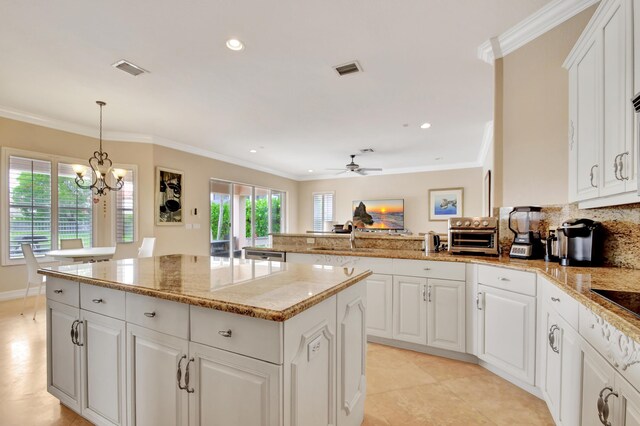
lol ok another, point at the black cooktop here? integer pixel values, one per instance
(625, 299)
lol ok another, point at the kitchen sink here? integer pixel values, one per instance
(627, 300)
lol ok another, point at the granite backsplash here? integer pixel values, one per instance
(621, 225)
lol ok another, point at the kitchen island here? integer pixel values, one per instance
(177, 340)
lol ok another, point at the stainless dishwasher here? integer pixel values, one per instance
(276, 256)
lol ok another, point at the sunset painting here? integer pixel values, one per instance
(378, 214)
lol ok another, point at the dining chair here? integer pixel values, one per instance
(72, 243)
(33, 278)
(146, 249)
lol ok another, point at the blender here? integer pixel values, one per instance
(527, 243)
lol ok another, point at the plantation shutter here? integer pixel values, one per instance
(125, 221)
(322, 209)
(29, 205)
(75, 213)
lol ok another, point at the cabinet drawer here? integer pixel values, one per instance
(63, 291)
(160, 315)
(102, 300)
(508, 279)
(565, 305)
(429, 269)
(254, 337)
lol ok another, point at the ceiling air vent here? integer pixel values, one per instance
(366, 150)
(349, 68)
(130, 68)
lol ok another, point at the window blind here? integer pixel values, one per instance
(75, 218)
(322, 209)
(125, 220)
(29, 205)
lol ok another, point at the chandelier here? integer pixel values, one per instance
(101, 166)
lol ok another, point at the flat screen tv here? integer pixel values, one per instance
(378, 214)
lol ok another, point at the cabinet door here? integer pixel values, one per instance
(63, 356)
(629, 403)
(380, 305)
(597, 374)
(152, 388)
(616, 99)
(587, 73)
(103, 369)
(410, 309)
(352, 353)
(232, 389)
(551, 360)
(506, 328)
(446, 314)
(570, 375)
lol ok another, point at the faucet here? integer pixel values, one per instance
(352, 236)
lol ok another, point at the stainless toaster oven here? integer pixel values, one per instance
(473, 235)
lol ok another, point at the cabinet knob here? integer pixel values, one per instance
(555, 299)
(97, 301)
(58, 291)
(150, 314)
(225, 333)
(503, 279)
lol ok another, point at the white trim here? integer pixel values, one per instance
(136, 208)
(19, 294)
(548, 17)
(487, 140)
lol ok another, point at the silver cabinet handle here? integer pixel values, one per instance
(225, 333)
(150, 314)
(186, 377)
(73, 332)
(478, 304)
(615, 167)
(77, 333)
(98, 301)
(179, 373)
(503, 279)
(571, 136)
(621, 166)
(603, 405)
(591, 176)
(58, 291)
(555, 299)
(552, 338)
(429, 294)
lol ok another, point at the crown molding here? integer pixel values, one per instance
(545, 19)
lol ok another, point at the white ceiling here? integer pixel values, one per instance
(280, 94)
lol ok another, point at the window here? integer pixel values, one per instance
(29, 205)
(124, 214)
(75, 214)
(323, 210)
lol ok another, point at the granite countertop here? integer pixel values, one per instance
(575, 281)
(360, 234)
(269, 290)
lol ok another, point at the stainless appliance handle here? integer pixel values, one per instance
(472, 231)
(591, 176)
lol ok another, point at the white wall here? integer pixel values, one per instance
(413, 187)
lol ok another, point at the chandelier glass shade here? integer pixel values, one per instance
(100, 169)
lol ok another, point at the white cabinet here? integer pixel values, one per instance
(231, 389)
(506, 331)
(103, 369)
(154, 395)
(380, 305)
(597, 376)
(410, 309)
(561, 374)
(63, 355)
(446, 314)
(602, 151)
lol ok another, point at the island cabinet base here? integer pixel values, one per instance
(124, 359)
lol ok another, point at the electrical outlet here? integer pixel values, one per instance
(311, 240)
(314, 347)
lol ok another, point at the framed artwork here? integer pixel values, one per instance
(487, 194)
(169, 196)
(445, 203)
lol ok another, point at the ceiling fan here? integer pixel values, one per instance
(352, 167)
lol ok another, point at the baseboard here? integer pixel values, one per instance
(508, 377)
(19, 294)
(458, 356)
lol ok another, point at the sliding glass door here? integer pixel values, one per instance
(242, 216)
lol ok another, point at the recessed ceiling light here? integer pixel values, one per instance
(235, 44)
(310, 170)
(253, 151)
(425, 125)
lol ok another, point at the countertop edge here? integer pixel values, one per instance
(236, 308)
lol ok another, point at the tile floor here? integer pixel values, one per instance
(403, 387)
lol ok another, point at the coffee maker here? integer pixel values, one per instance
(527, 243)
(580, 242)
